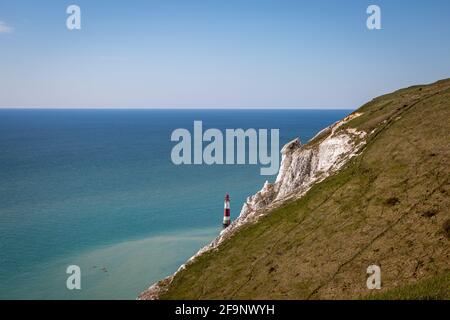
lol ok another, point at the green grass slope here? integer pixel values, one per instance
(434, 288)
(388, 206)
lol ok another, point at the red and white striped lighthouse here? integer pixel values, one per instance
(226, 211)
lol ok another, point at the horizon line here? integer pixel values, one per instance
(177, 108)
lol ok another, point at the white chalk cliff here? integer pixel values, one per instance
(301, 167)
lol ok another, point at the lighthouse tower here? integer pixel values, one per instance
(226, 211)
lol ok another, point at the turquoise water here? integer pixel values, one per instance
(97, 188)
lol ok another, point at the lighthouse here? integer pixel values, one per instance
(226, 211)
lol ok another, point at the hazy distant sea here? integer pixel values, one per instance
(97, 188)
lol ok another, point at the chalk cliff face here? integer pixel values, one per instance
(301, 167)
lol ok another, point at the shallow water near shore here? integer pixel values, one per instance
(97, 188)
(116, 271)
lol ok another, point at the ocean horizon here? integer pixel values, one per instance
(97, 188)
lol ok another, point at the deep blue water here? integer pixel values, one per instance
(97, 188)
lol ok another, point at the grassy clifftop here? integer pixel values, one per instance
(388, 206)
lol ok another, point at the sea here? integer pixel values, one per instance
(96, 188)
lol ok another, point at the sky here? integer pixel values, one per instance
(217, 54)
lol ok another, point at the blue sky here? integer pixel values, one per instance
(210, 53)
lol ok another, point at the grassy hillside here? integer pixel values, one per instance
(388, 206)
